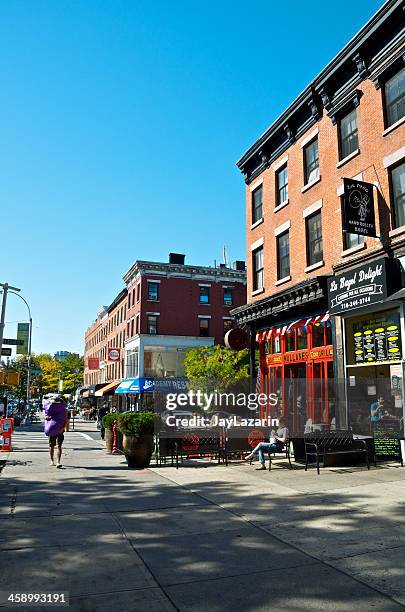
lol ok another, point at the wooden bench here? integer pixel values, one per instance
(334, 442)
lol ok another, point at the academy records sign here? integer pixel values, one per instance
(363, 286)
(358, 208)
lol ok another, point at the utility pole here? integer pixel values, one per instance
(6, 288)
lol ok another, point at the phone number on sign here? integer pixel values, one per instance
(47, 599)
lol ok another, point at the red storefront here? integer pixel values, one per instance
(296, 363)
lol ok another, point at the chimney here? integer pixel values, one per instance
(177, 258)
(239, 265)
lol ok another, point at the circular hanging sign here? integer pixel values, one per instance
(237, 339)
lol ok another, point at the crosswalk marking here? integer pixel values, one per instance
(38, 438)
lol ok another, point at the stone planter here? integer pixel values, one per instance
(108, 439)
(138, 450)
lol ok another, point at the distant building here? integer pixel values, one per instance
(164, 310)
(62, 355)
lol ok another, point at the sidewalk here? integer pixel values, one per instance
(200, 538)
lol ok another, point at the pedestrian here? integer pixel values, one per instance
(55, 421)
(101, 413)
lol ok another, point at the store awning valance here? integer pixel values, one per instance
(281, 330)
(108, 387)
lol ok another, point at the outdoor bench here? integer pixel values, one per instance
(320, 445)
(240, 440)
(190, 443)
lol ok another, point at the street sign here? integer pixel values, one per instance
(13, 341)
(23, 330)
(6, 352)
(37, 371)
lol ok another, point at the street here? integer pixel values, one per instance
(204, 537)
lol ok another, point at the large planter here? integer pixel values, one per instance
(138, 450)
(109, 439)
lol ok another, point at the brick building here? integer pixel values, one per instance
(164, 310)
(172, 307)
(347, 123)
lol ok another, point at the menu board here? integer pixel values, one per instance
(377, 339)
(386, 433)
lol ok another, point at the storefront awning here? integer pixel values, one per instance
(280, 330)
(108, 387)
(399, 295)
(135, 385)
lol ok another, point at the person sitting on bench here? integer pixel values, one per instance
(274, 445)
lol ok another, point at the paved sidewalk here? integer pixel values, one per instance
(199, 538)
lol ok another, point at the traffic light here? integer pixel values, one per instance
(12, 378)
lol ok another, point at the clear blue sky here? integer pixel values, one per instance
(120, 125)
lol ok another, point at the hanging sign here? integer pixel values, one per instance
(114, 354)
(363, 286)
(358, 208)
(23, 332)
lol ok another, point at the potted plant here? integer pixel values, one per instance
(137, 429)
(108, 422)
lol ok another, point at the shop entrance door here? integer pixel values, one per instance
(295, 393)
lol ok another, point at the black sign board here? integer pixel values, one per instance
(13, 342)
(386, 434)
(6, 352)
(363, 286)
(358, 208)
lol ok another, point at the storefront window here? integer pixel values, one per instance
(318, 336)
(276, 345)
(290, 341)
(162, 363)
(302, 338)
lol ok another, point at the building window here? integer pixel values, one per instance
(228, 324)
(314, 239)
(258, 271)
(311, 162)
(152, 324)
(153, 291)
(352, 240)
(138, 292)
(348, 135)
(257, 204)
(282, 185)
(204, 327)
(228, 296)
(398, 195)
(205, 295)
(395, 98)
(137, 324)
(132, 327)
(283, 255)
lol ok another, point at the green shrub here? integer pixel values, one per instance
(136, 423)
(109, 418)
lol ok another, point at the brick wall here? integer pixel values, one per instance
(373, 145)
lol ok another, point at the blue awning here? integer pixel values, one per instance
(149, 385)
(135, 385)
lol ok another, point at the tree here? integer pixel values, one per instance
(216, 368)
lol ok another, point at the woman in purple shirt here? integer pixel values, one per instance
(55, 420)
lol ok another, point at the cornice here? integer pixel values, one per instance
(298, 297)
(353, 64)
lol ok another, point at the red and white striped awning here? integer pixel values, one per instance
(264, 335)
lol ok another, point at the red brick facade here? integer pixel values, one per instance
(374, 146)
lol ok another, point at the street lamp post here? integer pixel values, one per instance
(28, 390)
(6, 289)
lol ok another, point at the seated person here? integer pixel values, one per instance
(275, 444)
